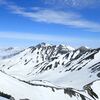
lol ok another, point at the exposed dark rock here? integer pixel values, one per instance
(79, 68)
(67, 55)
(91, 56)
(37, 52)
(56, 64)
(82, 97)
(48, 67)
(6, 96)
(53, 90)
(32, 49)
(53, 58)
(90, 91)
(98, 75)
(27, 62)
(61, 50)
(95, 67)
(70, 92)
(83, 49)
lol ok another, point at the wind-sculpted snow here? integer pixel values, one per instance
(54, 66)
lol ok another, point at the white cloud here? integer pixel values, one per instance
(74, 3)
(3, 2)
(57, 17)
(25, 38)
(32, 36)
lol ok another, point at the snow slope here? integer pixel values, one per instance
(47, 68)
(20, 90)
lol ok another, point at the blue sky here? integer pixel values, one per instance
(71, 22)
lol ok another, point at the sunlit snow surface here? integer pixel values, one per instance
(50, 72)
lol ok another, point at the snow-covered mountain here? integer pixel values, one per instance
(9, 52)
(50, 72)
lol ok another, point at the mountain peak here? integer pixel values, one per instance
(83, 48)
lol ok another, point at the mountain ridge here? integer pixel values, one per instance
(55, 66)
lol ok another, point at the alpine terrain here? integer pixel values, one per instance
(49, 72)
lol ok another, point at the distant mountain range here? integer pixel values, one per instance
(50, 72)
